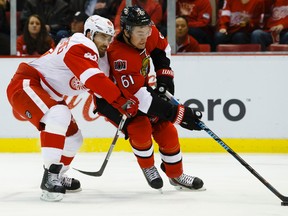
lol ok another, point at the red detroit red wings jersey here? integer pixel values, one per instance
(234, 12)
(130, 66)
(198, 12)
(279, 14)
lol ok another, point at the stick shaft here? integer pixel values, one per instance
(242, 161)
(233, 153)
(101, 170)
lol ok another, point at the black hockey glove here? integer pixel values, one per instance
(113, 115)
(187, 118)
(165, 81)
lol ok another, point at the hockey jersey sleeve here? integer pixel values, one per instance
(155, 107)
(198, 12)
(257, 15)
(224, 18)
(159, 49)
(83, 62)
(204, 14)
(280, 15)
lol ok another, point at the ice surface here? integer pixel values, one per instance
(122, 189)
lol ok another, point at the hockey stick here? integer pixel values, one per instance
(235, 155)
(100, 172)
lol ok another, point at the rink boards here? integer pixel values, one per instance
(192, 145)
(242, 97)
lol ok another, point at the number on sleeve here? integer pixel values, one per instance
(63, 45)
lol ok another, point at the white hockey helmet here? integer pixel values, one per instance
(97, 24)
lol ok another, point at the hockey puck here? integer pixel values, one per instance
(284, 203)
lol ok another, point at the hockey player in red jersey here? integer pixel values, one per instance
(36, 92)
(129, 58)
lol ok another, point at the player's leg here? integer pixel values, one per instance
(51, 118)
(73, 142)
(166, 136)
(140, 131)
(56, 147)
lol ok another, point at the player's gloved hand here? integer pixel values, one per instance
(187, 118)
(165, 81)
(127, 105)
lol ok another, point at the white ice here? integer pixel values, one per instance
(122, 189)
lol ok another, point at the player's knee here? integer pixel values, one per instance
(140, 131)
(57, 119)
(72, 128)
(166, 135)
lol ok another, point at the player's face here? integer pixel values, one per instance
(139, 35)
(102, 42)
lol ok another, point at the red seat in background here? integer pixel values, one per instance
(278, 48)
(238, 48)
(205, 47)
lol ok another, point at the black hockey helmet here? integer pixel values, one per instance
(134, 16)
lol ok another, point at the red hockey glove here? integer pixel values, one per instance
(187, 118)
(127, 105)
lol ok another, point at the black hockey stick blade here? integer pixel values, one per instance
(101, 170)
(200, 124)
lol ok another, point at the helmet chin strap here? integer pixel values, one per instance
(128, 39)
(91, 36)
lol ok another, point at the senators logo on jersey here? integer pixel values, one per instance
(145, 66)
(120, 65)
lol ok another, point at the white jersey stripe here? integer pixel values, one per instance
(226, 13)
(50, 92)
(144, 153)
(34, 97)
(89, 73)
(171, 159)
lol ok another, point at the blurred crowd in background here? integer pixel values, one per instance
(201, 25)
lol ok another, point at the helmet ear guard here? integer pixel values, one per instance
(97, 24)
